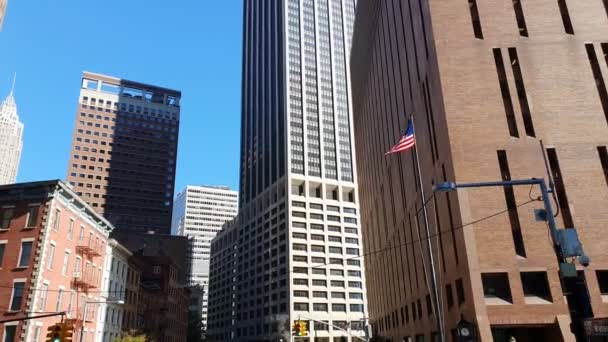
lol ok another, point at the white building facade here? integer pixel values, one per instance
(294, 251)
(112, 294)
(199, 212)
(11, 140)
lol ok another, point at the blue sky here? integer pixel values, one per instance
(190, 45)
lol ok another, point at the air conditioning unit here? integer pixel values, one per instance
(77, 275)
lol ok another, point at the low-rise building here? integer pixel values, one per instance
(52, 250)
(116, 272)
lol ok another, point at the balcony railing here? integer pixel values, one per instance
(84, 281)
(89, 250)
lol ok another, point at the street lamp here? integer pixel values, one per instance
(565, 245)
(85, 312)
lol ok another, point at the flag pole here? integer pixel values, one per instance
(435, 289)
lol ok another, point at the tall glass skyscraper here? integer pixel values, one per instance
(293, 252)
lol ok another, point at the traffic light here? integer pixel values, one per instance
(67, 330)
(296, 328)
(300, 328)
(303, 328)
(54, 333)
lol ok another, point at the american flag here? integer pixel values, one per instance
(406, 142)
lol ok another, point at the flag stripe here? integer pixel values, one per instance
(406, 142)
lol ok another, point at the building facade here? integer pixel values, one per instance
(484, 81)
(124, 151)
(11, 137)
(297, 242)
(199, 212)
(52, 250)
(3, 4)
(164, 300)
(112, 316)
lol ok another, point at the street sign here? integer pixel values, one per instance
(596, 327)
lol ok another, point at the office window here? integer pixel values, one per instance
(560, 188)
(43, 295)
(300, 306)
(460, 291)
(32, 216)
(58, 305)
(476, 21)
(57, 219)
(602, 279)
(449, 295)
(7, 216)
(516, 233)
(66, 260)
(521, 21)
(521, 92)
(505, 92)
(535, 284)
(2, 249)
(356, 307)
(338, 307)
(50, 256)
(26, 253)
(496, 285)
(319, 307)
(563, 10)
(9, 333)
(17, 296)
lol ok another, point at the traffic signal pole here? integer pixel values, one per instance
(564, 245)
(33, 317)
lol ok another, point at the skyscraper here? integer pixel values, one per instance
(199, 212)
(295, 244)
(3, 4)
(124, 151)
(485, 82)
(11, 140)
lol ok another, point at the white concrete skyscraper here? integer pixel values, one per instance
(293, 252)
(200, 212)
(11, 139)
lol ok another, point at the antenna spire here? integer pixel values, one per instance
(13, 85)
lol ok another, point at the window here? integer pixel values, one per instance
(297, 281)
(353, 262)
(560, 188)
(338, 307)
(77, 265)
(604, 159)
(355, 284)
(32, 216)
(356, 307)
(2, 249)
(338, 295)
(518, 239)
(319, 307)
(26, 253)
(521, 93)
(50, 256)
(57, 220)
(336, 272)
(7, 216)
(300, 294)
(317, 271)
(319, 282)
(506, 93)
(563, 9)
(321, 326)
(300, 306)
(59, 300)
(496, 285)
(521, 21)
(429, 305)
(300, 258)
(597, 75)
(336, 250)
(535, 284)
(355, 295)
(17, 298)
(337, 283)
(43, 295)
(66, 260)
(602, 279)
(354, 274)
(475, 19)
(449, 295)
(9, 333)
(71, 230)
(460, 291)
(81, 234)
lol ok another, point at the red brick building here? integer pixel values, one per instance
(485, 81)
(52, 247)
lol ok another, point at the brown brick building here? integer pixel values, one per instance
(485, 80)
(124, 151)
(52, 247)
